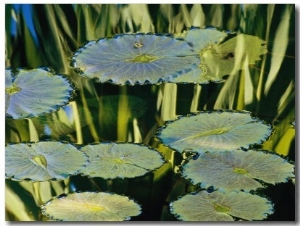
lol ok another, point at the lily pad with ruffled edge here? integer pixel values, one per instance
(43, 161)
(214, 131)
(91, 206)
(238, 170)
(135, 59)
(30, 93)
(120, 160)
(217, 206)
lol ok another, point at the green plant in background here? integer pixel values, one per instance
(29, 93)
(238, 170)
(217, 206)
(42, 161)
(91, 206)
(120, 160)
(214, 131)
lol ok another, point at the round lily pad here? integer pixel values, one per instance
(91, 206)
(135, 59)
(30, 93)
(42, 161)
(120, 160)
(217, 206)
(237, 170)
(214, 131)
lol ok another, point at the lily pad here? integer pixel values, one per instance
(120, 160)
(214, 131)
(42, 161)
(202, 38)
(232, 55)
(238, 170)
(91, 206)
(217, 206)
(135, 59)
(30, 93)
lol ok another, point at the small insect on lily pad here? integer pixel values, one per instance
(30, 93)
(91, 206)
(217, 206)
(42, 161)
(214, 131)
(238, 170)
(120, 160)
(135, 59)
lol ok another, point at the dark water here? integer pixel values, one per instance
(47, 35)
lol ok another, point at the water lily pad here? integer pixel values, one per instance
(42, 161)
(232, 55)
(217, 206)
(32, 92)
(135, 59)
(120, 160)
(91, 206)
(202, 38)
(214, 131)
(237, 170)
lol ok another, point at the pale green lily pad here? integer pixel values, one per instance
(120, 160)
(214, 131)
(42, 161)
(232, 55)
(135, 59)
(202, 38)
(91, 206)
(217, 206)
(238, 170)
(30, 93)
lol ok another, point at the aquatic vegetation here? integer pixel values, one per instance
(214, 131)
(217, 206)
(135, 59)
(232, 55)
(30, 93)
(238, 170)
(42, 161)
(91, 206)
(120, 160)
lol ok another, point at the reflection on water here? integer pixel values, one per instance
(47, 35)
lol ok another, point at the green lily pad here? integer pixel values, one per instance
(202, 38)
(42, 161)
(237, 170)
(217, 206)
(135, 59)
(214, 131)
(120, 160)
(91, 206)
(30, 93)
(232, 55)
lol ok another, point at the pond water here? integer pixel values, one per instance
(48, 35)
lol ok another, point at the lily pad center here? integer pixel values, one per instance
(13, 89)
(143, 58)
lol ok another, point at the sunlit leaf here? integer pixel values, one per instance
(236, 170)
(91, 206)
(32, 92)
(135, 59)
(232, 55)
(42, 161)
(120, 160)
(217, 206)
(214, 131)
